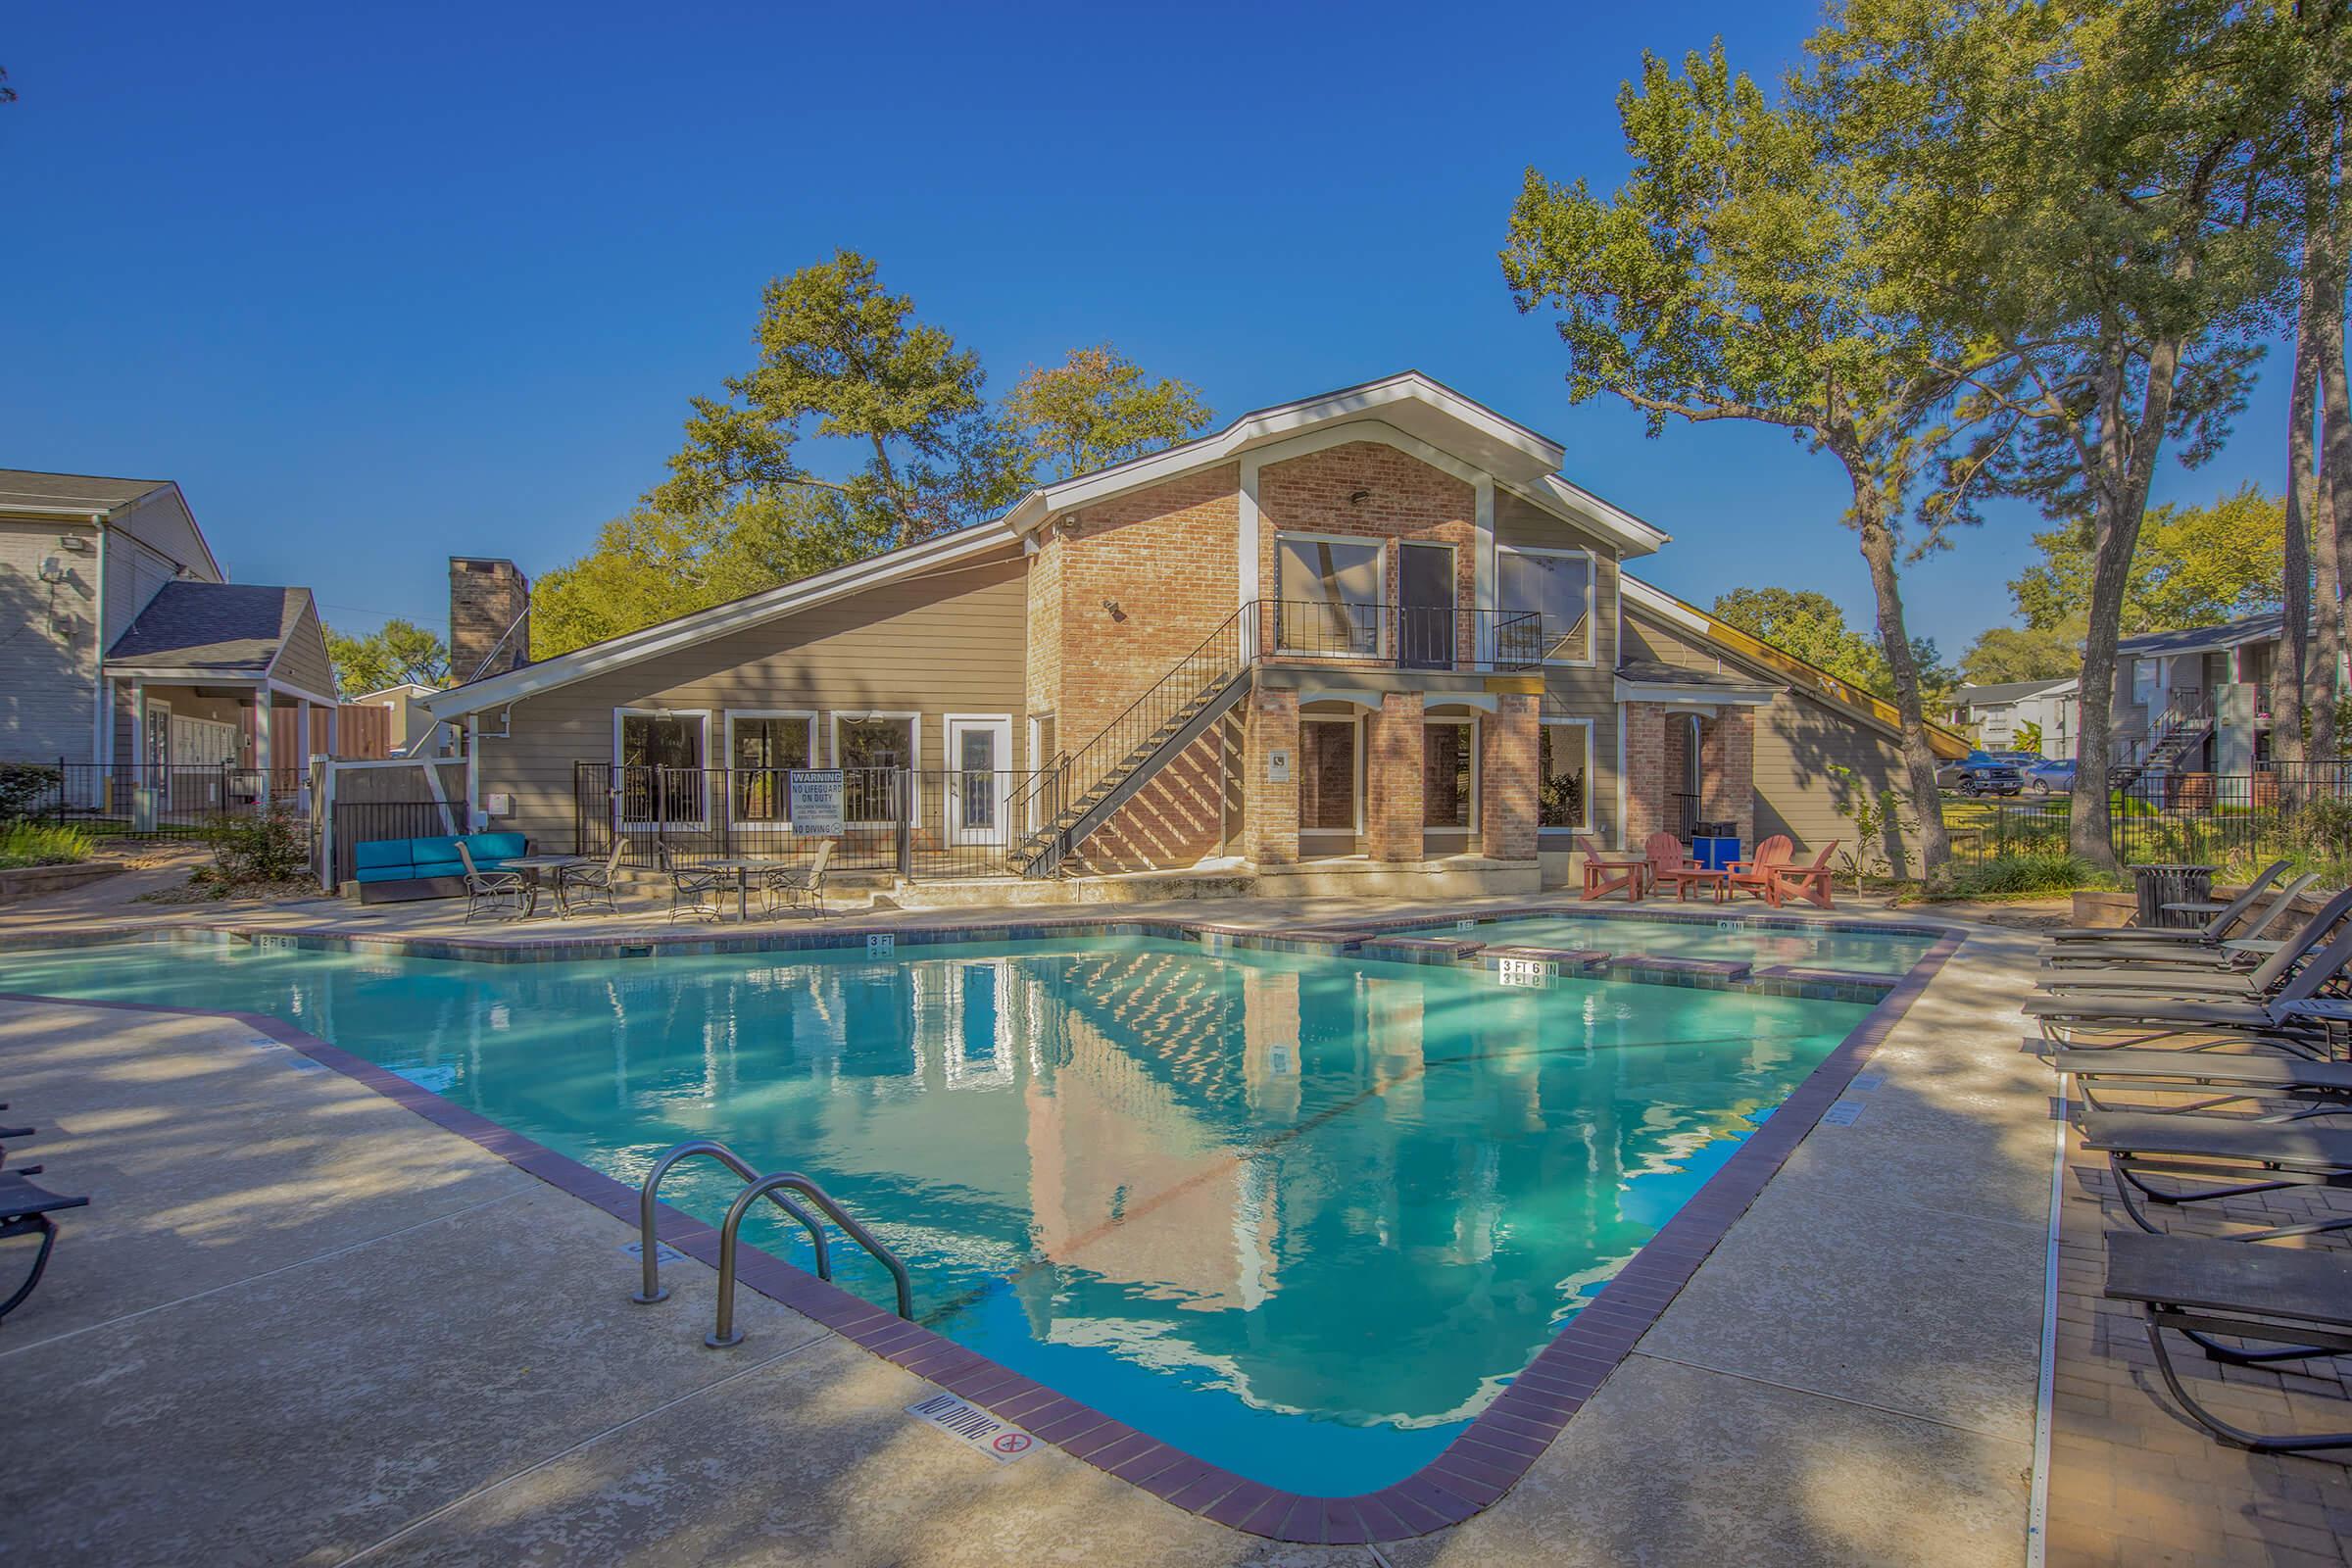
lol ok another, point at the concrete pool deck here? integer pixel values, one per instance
(314, 1327)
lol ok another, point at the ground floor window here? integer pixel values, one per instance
(1328, 764)
(1565, 760)
(762, 748)
(870, 749)
(1448, 772)
(660, 756)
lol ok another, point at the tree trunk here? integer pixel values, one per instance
(2310, 541)
(2324, 278)
(1877, 535)
(2124, 465)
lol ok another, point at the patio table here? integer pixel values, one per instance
(530, 866)
(743, 866)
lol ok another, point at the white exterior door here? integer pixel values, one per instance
(979, 754)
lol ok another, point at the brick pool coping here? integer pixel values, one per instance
(1475, 1469)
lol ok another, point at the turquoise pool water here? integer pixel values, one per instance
(1302, 1217)
(1859, 952)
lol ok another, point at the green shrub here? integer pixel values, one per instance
(2008, 876)
(25, 787)
(275, 848)
(42, 844)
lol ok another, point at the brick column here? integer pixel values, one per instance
(1727, 761)
(1270, 810)
(1393, 778)
(1644, 772)
(1507, 761)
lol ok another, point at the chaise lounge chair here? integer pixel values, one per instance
(2161, 1015)
(25, 1210)
(2297, 1299)
(2209, 983)
(2224, 1078)
(2210, 933)
(2215, 1158)
(2194, 951)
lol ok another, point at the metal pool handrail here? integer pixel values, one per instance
(724, 1333)
(707, 1149)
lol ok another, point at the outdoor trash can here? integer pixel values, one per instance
(2160, 885)
(1714, 851)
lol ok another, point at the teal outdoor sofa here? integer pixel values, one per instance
(395, 870)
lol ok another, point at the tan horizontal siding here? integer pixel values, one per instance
(302, 661)
(947, 644)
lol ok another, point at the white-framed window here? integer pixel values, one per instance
(1450, 774)
(1329, 587)
(1564, 776)
(869, 749)
(660, 761)
(1555, 586)
(1331, 773)
(2144, 682)
(764, 744)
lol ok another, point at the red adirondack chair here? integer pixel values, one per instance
(1671, 862)
(1758, 873)
(1604, 877)
(1810, 883)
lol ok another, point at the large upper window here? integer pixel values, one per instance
(1555, 586)
(762, 749)
(661, 757)
(1331, 590)
(1564, 756)
(1448, 772)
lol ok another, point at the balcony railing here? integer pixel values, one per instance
(1435, 637)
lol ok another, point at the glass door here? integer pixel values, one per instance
(1425, 607)
(979, 751)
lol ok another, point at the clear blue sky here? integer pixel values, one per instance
(381, 284)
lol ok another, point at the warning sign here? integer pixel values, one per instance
(1000, 1441)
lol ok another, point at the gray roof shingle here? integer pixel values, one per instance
(69, 492)
(209, 626)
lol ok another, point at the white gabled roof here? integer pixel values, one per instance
(1519, 458)
(1410, 402)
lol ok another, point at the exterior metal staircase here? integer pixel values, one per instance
(2176, 730)
(1081, 791)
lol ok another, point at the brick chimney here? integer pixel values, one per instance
(489, 617)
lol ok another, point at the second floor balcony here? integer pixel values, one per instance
(1383, 636)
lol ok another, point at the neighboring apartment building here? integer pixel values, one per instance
(122, 642)
(1366, 634)
(2004, 715)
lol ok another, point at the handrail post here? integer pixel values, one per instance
(723, 1332)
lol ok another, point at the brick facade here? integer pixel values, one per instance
(1373, 490)
(489, 617)
(1727, 760)
(1270, 810)
(1507, 763)
(1393, 778)
(1645, 773)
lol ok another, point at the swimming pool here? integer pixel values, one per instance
(1300, 1217)
(1810, 947)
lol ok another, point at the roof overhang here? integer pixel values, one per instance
(1409, 404)
(1697, 694)
(615, 653)
(234, 674)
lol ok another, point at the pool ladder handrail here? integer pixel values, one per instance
(772, 1187)
(725, 1333)
(708, 1149)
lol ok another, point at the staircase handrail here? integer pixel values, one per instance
(1070, 765)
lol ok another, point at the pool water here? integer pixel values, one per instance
(1856, 952)
(1302, 1217)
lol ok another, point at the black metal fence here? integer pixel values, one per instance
(1404, 636)
(932, 825)
(130, 800)
(2300, 810)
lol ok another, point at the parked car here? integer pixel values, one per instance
(2052, 775)
(1986, 773)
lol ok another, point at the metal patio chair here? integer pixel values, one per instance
(496, 891)
(788, 885)
(580, 888)
(691, 892)
(25, 1210)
